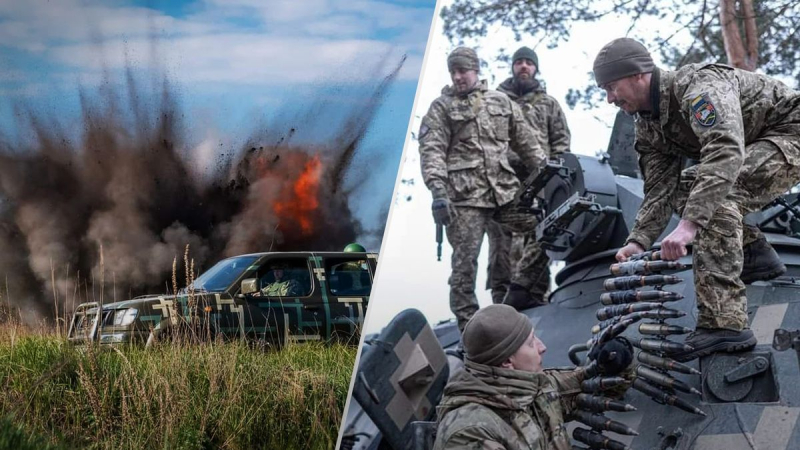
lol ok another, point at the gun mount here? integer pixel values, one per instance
(582, 209)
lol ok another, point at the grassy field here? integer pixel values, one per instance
(215, 395)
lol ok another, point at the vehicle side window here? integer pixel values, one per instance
(348, 277)
(285, 277)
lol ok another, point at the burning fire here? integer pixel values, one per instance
(301, 202)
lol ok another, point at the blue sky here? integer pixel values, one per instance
(235, 65)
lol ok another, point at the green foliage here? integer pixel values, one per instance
(221, 395)
(14, 437)
(694, 37)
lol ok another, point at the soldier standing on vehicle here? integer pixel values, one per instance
(545, 116)
(502, 398)
(744, 129)
(463, 143)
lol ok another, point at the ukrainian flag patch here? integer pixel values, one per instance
(704, 110)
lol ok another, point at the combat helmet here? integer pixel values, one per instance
(355, 248)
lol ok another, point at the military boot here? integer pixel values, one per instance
(705, 341)
(520, 298)
(761, 262)
(498, 294)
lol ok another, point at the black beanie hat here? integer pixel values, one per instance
(525, 53)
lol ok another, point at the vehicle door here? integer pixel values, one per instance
(286, 305)
(347, 288)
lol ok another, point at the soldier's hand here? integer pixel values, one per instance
(630, 249)
(674, 246)
(441, 211)
(613, 357)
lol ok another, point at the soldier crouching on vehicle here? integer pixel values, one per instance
(744, 129)
(502, 398)
(546, 117)
(463, 144)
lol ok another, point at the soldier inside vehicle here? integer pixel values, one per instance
(285, 279)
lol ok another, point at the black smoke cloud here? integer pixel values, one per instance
(127, 189)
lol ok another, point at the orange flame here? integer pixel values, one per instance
(299, 205)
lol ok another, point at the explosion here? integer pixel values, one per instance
(128, 186)
(299, 204)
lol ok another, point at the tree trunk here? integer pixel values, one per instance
(742, 51)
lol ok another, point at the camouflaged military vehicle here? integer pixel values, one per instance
(272, 298)
(746, 400)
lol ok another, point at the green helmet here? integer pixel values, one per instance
(355, 248)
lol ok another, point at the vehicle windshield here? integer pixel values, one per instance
(219, 277)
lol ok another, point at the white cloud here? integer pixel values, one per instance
(36, 25)
(296, 42)
(246, 58)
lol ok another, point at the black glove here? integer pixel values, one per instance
(613, 357)
(441, 211)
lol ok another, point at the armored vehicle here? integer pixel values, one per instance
(748, 400)
(272, 298)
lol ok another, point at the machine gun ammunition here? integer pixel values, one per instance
(652, 255)
(622, 297)
(602, 423)
(662, 313)
(665, 380)
(658, 329)
(606, 323)
(665, 398)
(622, 283)
(629, 318)
(596, 403)
(607, 312)
(644, 267)
(596, 440)
(609, 333)
(666, 363)
(660, 345)
(598, 384)
(591, 369)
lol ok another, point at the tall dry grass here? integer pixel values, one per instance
(214, 395)
(180, 394)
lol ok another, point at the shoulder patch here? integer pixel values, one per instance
(423, 130)
(704, 110)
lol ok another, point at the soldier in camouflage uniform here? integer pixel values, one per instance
(502, 398)
(464, 141)
(744, 129)
(280, 287)
(545, 115)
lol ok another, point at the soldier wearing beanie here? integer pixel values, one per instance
(744, 129)
(464, 143)
(544, 115)
(503, 383)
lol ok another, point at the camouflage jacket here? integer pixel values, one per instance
(493, 408)
(464, 142)
(544, 114)
(282, 289)
(708, 113)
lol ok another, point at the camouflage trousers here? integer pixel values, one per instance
(465, 234)
(506, 247)
(717, 251)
